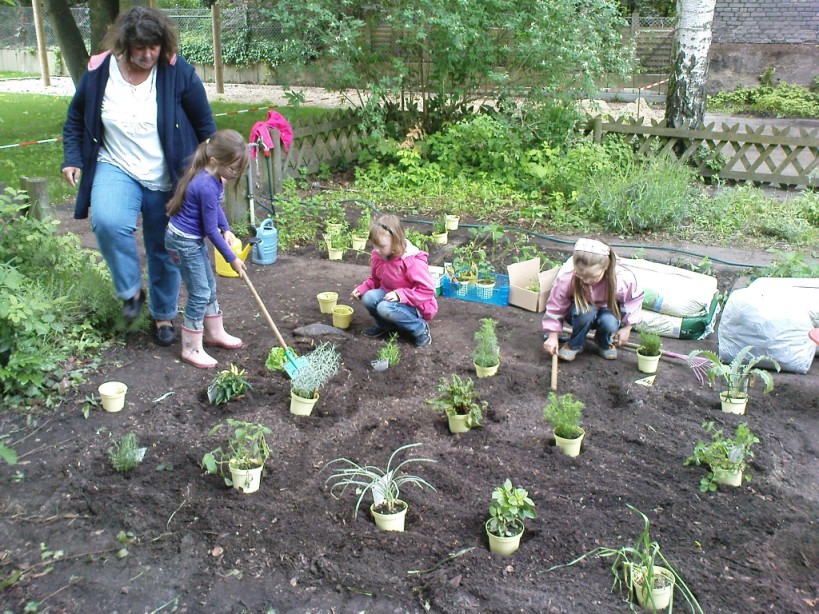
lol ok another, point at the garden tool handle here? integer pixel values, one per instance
(554, 372)
(264, 309)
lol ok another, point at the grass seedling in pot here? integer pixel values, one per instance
(390, 351)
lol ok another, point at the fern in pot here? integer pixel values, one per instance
(563, 413)
(317, 368)
(486, 353)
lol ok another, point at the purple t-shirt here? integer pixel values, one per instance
(201, 214)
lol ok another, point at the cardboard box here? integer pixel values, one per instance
(520, 275)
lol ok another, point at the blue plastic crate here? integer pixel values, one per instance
(499, 295)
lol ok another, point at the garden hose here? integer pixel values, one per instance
(545, 237)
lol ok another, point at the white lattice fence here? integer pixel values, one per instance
(331, 139)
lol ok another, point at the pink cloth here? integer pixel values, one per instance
(561, 298)
(407, 276)
(261, 131)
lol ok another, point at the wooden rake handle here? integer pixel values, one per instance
(554, 372)
(264, 309)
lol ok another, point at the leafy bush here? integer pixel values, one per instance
(655, 195)
(788, 264)
(782, 100)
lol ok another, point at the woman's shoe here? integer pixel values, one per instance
(133, 306)
(164, 335)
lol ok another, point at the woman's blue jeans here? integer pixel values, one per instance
(601, 319)
(392, 315)
(191, 256)
(116, 203)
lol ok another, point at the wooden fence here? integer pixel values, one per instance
(785, 156)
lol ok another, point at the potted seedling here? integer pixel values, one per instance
(337, 242)
(388, 355)
(648, 352)
(461, 404)
(228, 384)
(643, 570)
(509, 508)
(486, 353)
(387, 509)
(125, 454)
(244, 458)
(485, 277)
(315, 370)
(362, 231)
(439, 233)
(333, 214)
(738, 376)
(563, 413)
(726, 457)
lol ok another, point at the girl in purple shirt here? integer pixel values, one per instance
(195, 213)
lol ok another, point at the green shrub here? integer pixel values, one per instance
(782, 100)
(656, 195)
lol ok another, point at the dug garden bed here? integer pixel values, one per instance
(188, 543)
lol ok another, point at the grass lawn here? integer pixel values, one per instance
(32, 117)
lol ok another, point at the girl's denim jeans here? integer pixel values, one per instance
(601, 319)
(191, 256)
(116, 203)
(393, 316)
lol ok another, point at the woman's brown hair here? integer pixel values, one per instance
(583, 261)
(226, 147)
(389, 225)
(141, 26)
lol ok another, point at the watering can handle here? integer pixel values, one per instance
(264, 309)
(267, 224)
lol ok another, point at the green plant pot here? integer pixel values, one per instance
(390, 522)
(245, 480)
(726, 477)
(503, 545)
(647, 364)
(650, 598)
(457, 423)
(736, 404)
(570, 447)
(342, 316)
(299, 406)
(486, 371)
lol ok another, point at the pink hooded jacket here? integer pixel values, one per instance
(407, 276)
(261, 132)
(561, 297)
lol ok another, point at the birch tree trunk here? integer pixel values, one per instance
(685, 103)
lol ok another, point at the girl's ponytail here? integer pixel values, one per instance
(611, 275)
(200, 160)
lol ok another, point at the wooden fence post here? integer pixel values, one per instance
(236, 208)
(278, 171)
(39, 206)
(598, 129)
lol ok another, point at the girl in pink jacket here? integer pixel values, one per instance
(399, 293)
(592, 292)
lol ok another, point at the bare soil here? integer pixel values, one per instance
(199, 546)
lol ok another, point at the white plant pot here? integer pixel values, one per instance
(112, 395)
(246, 480)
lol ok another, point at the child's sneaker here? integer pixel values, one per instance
(567, 354)
(609, 353)
(374, 331)
(424, 338)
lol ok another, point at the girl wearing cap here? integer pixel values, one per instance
(592, 292)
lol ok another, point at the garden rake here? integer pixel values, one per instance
(293, 364)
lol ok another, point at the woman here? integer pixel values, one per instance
(138, 114)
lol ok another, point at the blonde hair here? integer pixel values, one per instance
(226, 147)
(389, 225)
(587, 261)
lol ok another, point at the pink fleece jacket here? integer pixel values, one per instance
(561, 298)
(407, 276)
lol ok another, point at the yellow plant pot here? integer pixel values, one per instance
(457, 423)
(726, 477)
(342, 316)
(653, 599)
(486, 371)
(735, 404)
(113, 396)
(503, 545)
(452, 222)
(390, 522)
(299, 406)
(439, 238)
(327, 301)
(570, 447)
(359, 243)
(246, 480)
(647, 364)
(334, 253)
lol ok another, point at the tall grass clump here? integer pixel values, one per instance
(56, 305)
(654, 195)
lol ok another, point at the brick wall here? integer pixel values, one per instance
(766, 21)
